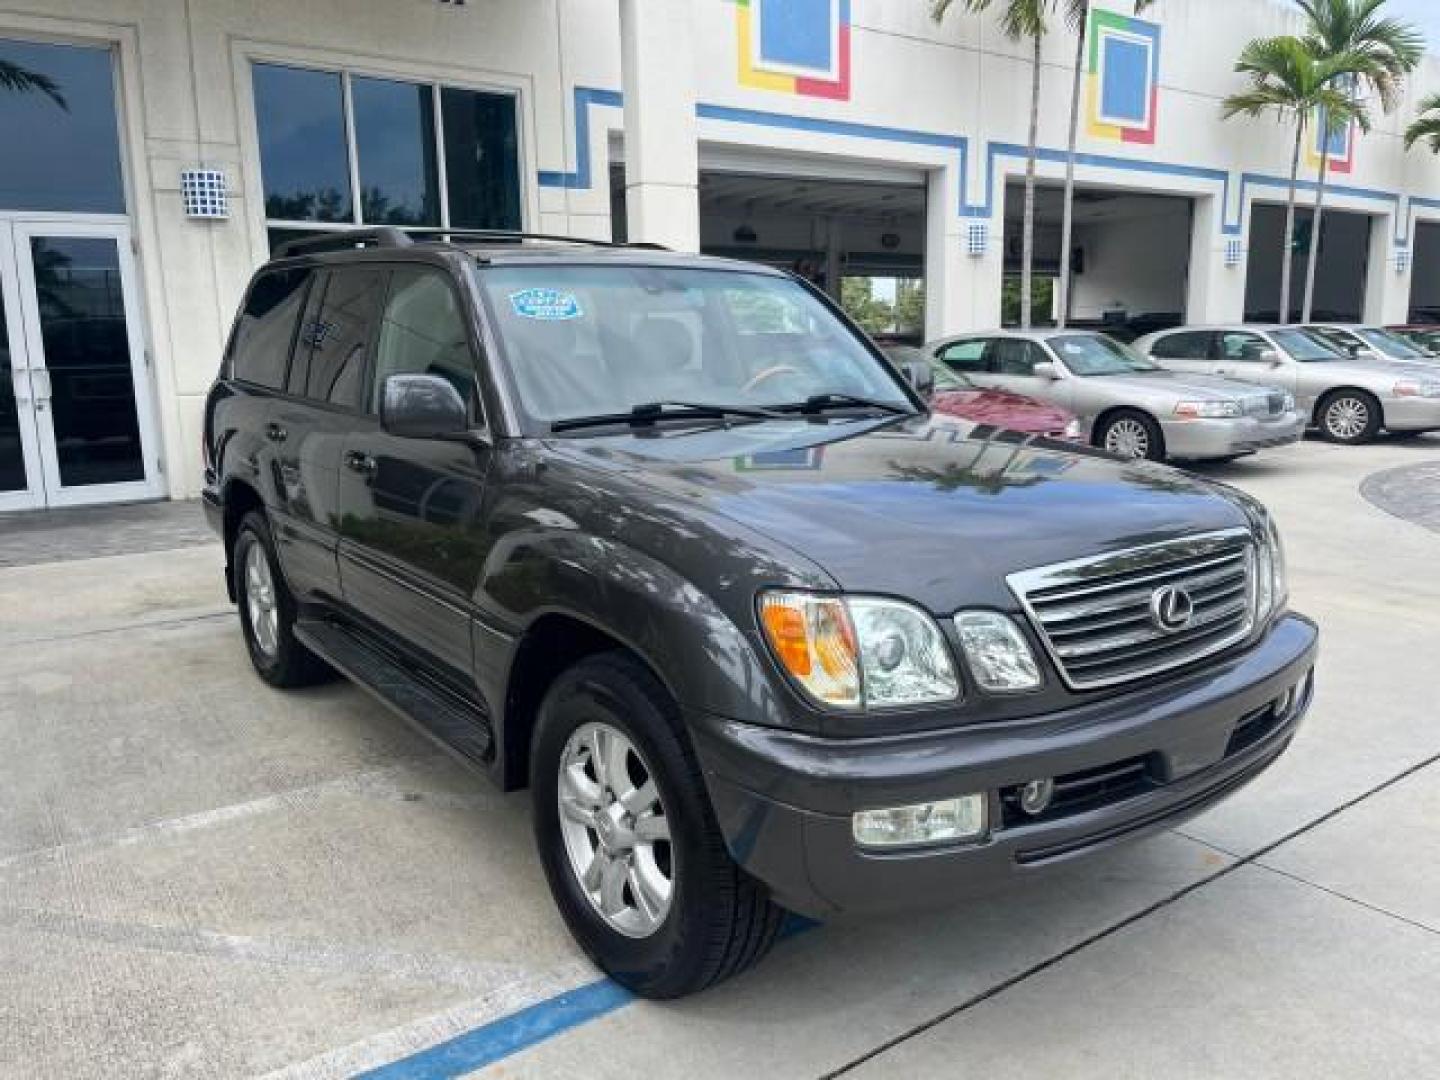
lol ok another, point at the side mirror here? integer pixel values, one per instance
(1270, 356)
(919, 375)
(1046, 369)
(422, 407)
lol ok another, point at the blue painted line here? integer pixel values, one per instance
(581, 178)
(529, 1027)
(509, 1035)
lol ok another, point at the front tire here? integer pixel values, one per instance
(267, 610)
(630, 846)
(1349, 417)
(1131, 434)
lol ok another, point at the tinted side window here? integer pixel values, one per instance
(338, 338)
(266, 327)
(967, 356)
(422, 333)
(1011, 356)
(1194, 345)
(1239, 346)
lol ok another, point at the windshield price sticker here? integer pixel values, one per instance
(547, 305)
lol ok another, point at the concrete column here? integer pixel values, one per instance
(657, 53)
(834, 259)
(1387, 290)
(1216, 291)
(962, 291)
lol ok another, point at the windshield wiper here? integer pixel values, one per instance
(817, 403)
(651, 411)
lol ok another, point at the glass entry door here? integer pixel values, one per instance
(76, 416)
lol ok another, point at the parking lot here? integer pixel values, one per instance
(200, 876)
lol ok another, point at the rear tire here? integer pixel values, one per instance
(1131, 434)
(267, 610)
(715, 920)
(1349, 417)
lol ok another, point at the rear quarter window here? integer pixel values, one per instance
(265, 330)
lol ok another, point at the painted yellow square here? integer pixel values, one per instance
(748, 76)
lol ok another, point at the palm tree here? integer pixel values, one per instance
(1021, 19)
(1385, 51)
(1426, 127)
(1077, 14)
(21, 80)
(1288, 80)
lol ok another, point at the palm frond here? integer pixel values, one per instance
(23, 81)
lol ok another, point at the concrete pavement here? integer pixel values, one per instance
(203, 877)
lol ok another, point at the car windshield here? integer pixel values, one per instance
(1305, 347)
(1096, 354)
(1390, 344)
(589, 341)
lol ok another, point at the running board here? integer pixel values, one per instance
(458, 727)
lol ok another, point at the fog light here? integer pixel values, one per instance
(941, 822)
(1035, 796)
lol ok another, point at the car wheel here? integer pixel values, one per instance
(629, 843)
(1131, 434)
(267, 610)
(1350, 417)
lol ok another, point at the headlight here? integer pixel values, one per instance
(1415, 388)
(1208, 410)
(854, 652)
(996, 649)
(1073, 430)
(1271, 587)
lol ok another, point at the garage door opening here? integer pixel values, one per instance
(861, 241)
(1340, 270)
(1130, 258)
(1425, 274)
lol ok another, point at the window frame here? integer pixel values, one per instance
(347, 71)
(1207, 354)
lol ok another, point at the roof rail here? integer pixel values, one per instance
(516, 236)
(385, 236)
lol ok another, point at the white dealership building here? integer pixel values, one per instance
(151, 151)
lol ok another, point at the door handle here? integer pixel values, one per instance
(357, 461)
(275, 433)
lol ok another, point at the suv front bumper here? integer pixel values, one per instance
(784, 800)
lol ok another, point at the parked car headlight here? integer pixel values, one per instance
(1074, 430)
(1208, 410)
(1416, 388)
(857, 652)
(998, 653)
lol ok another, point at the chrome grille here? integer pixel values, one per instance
(1095, 615)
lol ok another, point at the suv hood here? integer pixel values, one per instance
(917, 509)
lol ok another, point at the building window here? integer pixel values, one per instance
(338, 149)
(59, 138)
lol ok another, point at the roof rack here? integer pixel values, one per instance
(385, 236)
(391, 236)
(516, 236)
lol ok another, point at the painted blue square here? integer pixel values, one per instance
(797, 33)
(1125, 95)
(1339, 140)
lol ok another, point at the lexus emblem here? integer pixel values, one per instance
(1171, 609)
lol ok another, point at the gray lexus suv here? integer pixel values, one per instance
(665, 539)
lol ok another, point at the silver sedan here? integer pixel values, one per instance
(1370, 343)
(1128, 405)
(1349, 400)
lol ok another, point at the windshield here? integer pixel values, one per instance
(1096, 354)
(1390, 344)
(1305, 347)
(587, 341)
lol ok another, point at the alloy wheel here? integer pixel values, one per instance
(616, 834)
(1128, 438)
(260, 602)
(1347, 418)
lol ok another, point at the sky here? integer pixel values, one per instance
(1424, 14)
